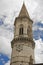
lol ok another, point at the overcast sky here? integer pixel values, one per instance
(9, 9)
(12, 6)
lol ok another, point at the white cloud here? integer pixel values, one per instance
(6, 36)
(38, 51)
(10, 18)
(6, 31)
(41, 29)
(9, 5)
(34, 7)
(35, 27)
(8, 63)
(38, 13)
(42, 22)
(5, 46)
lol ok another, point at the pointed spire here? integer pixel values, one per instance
(23, 11)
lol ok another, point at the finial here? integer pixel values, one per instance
(23, 2)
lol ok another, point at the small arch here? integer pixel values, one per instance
(28, 30)
(21, 29)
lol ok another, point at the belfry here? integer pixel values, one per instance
(23, 44)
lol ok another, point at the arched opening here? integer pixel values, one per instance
(21, 31)
(28, 30)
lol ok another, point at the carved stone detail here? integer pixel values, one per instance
(19, 47)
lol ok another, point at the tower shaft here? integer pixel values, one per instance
(23, 44)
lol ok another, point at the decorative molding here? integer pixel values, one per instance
(21, 18)
(19, 61)
(22, 39)
(19, 47)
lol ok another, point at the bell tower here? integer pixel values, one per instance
(23, 44)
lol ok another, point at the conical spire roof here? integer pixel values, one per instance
(23, 11)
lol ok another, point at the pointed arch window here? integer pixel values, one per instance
(28, 30)
(21, 30)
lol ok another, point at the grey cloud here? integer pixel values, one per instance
(38, 13)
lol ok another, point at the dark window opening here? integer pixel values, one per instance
(21, 31)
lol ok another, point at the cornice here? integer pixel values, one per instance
(23, 18)
(22, 39)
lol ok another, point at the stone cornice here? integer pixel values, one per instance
(23, 18)
(22, 39)
(19, 61)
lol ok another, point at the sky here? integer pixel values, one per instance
(9, 10)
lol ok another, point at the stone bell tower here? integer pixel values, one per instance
(23, 44)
